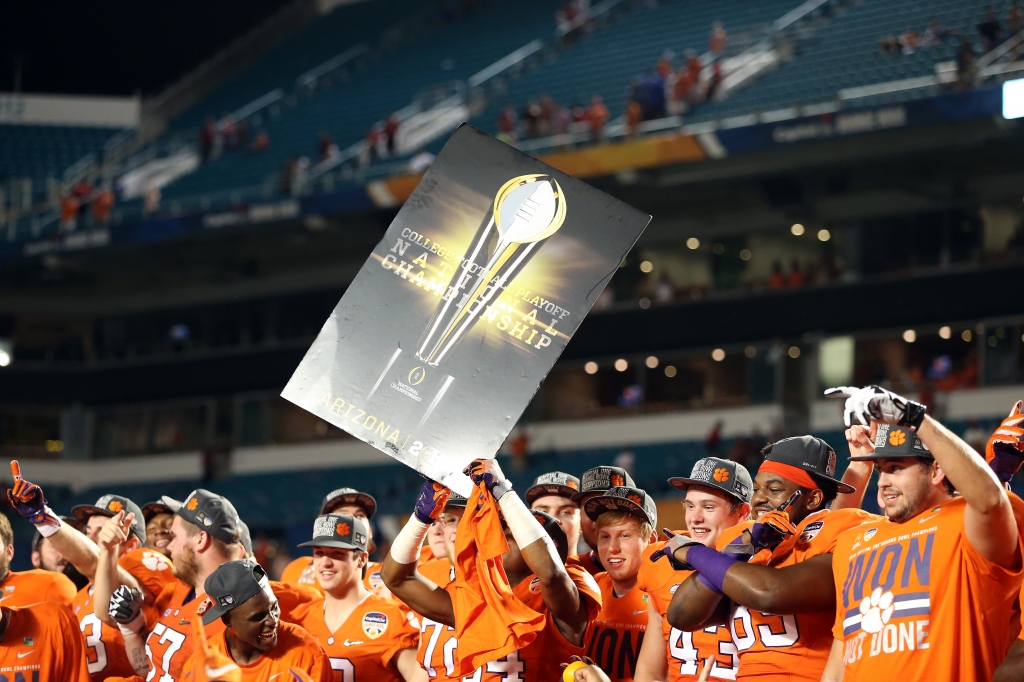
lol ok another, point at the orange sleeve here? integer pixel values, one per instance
(292, 596)
(588, 589)
(60, 590)
(406, 637)
(833, 525)
(188, 671)
(152, 569)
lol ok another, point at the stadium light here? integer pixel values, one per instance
(745, 254)
(794, 352)
(670, 371)
(645, 303)
(718, 355)
(750, 351)
(910, 336)
(945, 332)
(621, 365)
(651, 362)
(590, 367)
(693, 243)
(824, 235)
(966, 335)
(1013, 98)
(6, 352)
(646, 266)
(797, 229)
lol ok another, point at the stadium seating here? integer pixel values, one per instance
(39, 152)
(845, 53)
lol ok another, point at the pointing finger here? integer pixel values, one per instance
(15, 469)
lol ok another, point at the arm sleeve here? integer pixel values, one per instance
(405, 637)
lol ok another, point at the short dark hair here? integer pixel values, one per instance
(927, 462)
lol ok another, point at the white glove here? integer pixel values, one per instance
(874, 403)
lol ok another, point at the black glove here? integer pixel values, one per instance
(125, 609)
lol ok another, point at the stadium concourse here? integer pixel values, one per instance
(783, 445)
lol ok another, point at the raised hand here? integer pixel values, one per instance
(431, 501)
(675, 542)
(27, 498)
(114, 532)
(213, 666)
(861, 439)
(488, 471)
(125, 609)
(1004, 451)
(874, 403)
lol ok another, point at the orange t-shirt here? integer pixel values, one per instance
(291, 596)
(365, 645)
(589, 562)
(169, 644)
(42, 643)
(296, 649)
(438, 644)
(300, 572)
(917, 601)
(793, 647)
(1018, 514)
(686, 651)
(21, 588)
(539, 660)
(614, 639)
(104, 646)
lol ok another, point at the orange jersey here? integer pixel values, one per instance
(21, 588)
(300, 572)
(169, 644)
(436, 653)
(917, 601)
(793, 647)
(296, 650)
(614, 639)
(1018, 514)
(42, 643)
(104, 646)
(686, 651)
(538, 661)
(366, 644)
(291, 596)
(589, 562)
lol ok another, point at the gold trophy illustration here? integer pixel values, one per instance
(526, 211)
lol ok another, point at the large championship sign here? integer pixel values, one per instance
(460, 312)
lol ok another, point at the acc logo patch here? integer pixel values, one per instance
(535, 585)
(9, 588)
(376, 582)
(672, 590)
(869, 533)
(375, 624)
(810, 530)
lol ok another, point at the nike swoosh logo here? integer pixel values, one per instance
(928, 519)
(276, 675)
(348, 643)
(214, 673)
(184, 622)
(25, 653)
(637, 613)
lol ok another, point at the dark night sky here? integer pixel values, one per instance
(116, 47)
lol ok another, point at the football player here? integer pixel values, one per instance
(717, 500)
(793, 492)
(594, 482)
(158, 516)
(927, 592)
(552, 493)
(40, 643)
(625, 518)
(365, 635)
(205, 534)
(254, 637)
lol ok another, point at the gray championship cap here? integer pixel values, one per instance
(211, 513)
(336, 498)
(896, 441)
(108, 506)
(553, 483)
(811, 454)
(623, 498)
(340, 531)
(728, 476)
(602, 479)
(233, 584)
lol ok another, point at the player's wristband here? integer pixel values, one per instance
(406, 547)
(48, 528)
(521, 521)
(135, 627)
(711, 565)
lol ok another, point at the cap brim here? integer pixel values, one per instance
(82, 512)
(622, 504)
(336, 544)
(684, 483)
(213, 613)
(580, 495)
(363, 500)
(151, 509)
(172, 504)
(533, 492)
(842, 488)
(875, 455)
(461, 504)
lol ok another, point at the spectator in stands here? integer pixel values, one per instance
(796, 274)
(713, 443)
(373, 138)
(260, 142)
(229, 131)
(990, 30)
(888, 45)
(151, 201)
(776, 280)
(909, 41)
(935, 33)
(206, 136)
(597, 116)
(717, 38)
(665, 64)
(966, 66)
(68, 213)
(714, 81)
(391, 133)
(328, 149)
(1014, 19)
(634, 114)
(507, 124)
(102, 204)
(82, 191)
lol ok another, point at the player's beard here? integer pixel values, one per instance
(908, 504)
(186, 567)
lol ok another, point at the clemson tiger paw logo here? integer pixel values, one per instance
(154, 561)
(721, 475)
(876, 611)
(115, 506)
(897, 438)
(635, 499)
(192, 504)
(617, 480)
(342, 529)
